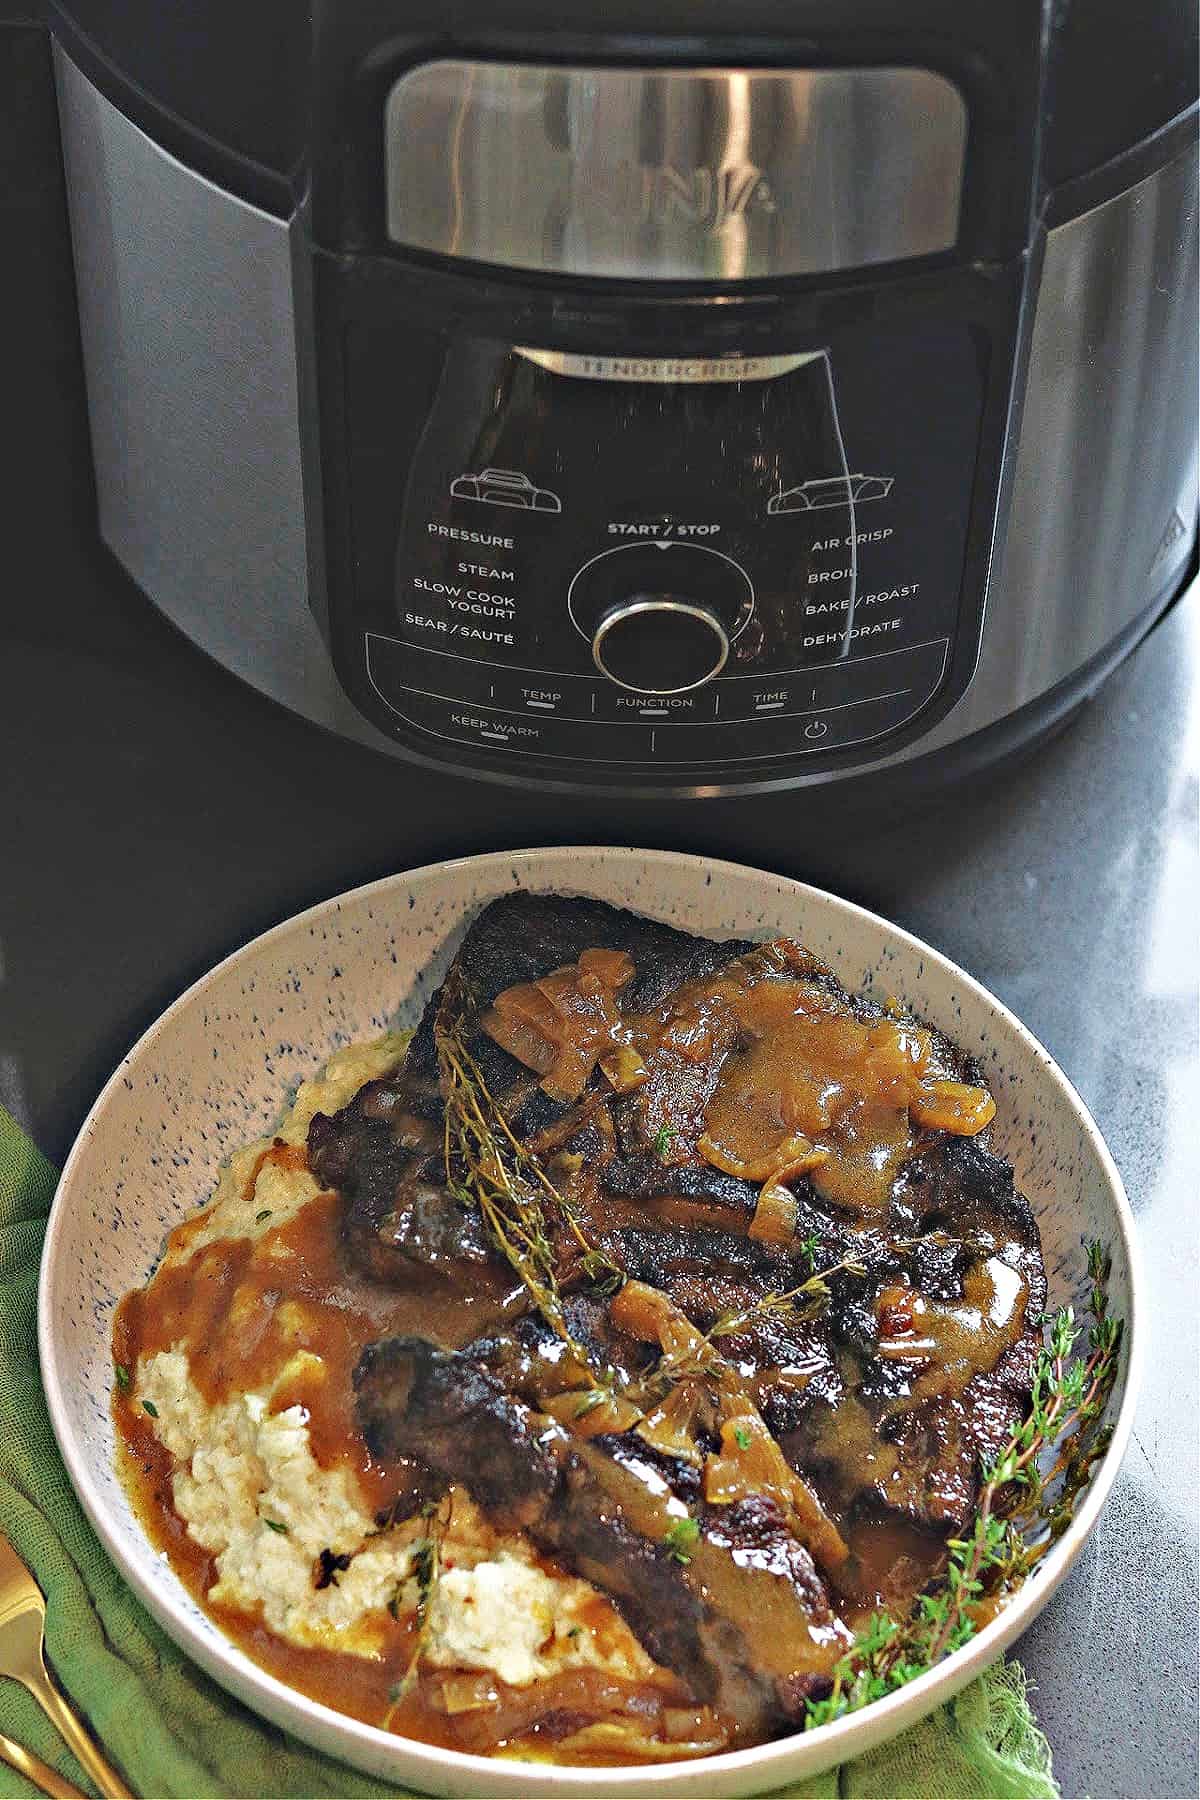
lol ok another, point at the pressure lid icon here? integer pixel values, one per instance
(505, 487)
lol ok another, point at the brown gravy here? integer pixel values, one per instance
(243, 1308)
(761, 1066)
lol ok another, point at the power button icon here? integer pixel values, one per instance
(818, 729)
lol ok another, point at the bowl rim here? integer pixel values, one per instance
(842, 1738)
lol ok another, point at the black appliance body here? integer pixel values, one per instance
(610, 400)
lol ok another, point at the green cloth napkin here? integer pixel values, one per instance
(175, 1733)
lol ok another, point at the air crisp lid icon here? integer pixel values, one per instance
(831, 490)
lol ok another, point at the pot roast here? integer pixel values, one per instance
(786, 1303)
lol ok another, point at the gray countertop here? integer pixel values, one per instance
(157, 814)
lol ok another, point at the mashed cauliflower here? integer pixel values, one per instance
(252, 1494)
(240, 1208)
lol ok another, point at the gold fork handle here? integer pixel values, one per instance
(40, 1773)
(68, 1726)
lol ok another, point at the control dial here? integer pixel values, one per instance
(660, 644)
(660, 615)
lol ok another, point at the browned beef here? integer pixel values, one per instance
(647, 1177)
(741, 1614)
(374, 1151)
(524, 936)
(959, 1202)
(739, 1622)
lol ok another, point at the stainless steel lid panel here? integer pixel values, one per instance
(673, 174)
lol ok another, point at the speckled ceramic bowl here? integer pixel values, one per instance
(212, 1073)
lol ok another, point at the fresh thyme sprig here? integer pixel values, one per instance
(1023, 1509)
(479, 1173)
(702, 1357)
(488, 1166)
(806, 1301)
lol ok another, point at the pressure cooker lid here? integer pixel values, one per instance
(1119, 71)
(222, 84)
(256, 95)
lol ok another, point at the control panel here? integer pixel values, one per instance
(662, 564)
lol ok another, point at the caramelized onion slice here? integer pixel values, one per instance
(587, 1692)
(898, 1053)
(671, 1426)
(560, 1024)
(750, 1462)
(623, 1068)
(691, 1733)
(587, 1412)
(791, 1155)
(775, 1215)
(528, 1002)
(613, 968)
(695, 1032)
(953, 1106)
(522, 1040)
(646, 1313)
(690, 1724)
(467, 1693)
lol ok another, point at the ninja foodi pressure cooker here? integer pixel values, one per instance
(649, 397)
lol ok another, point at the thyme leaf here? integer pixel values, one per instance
(681, 1539)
